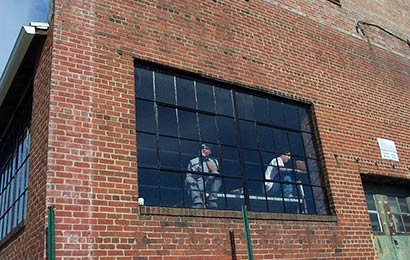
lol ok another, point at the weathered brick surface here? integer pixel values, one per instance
(309, 51)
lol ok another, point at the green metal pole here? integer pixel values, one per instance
(247, 232)
(51, 242)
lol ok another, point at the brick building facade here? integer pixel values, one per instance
(344, 65)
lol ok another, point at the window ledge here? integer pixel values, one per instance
(206, 213)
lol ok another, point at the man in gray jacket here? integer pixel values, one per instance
(199, 185)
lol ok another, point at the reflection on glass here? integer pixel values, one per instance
(398, 224)
(207, 128)
(145, 117)
(304, 118)
(147, 150)
(144, 83)
(244, 106)
(223, 101)
(188, 126)
(230, 161)
(189, 150)
(226, 128)
(252, 164)
(307, 202)
(314, 173)
(171, 189)
(185, 93)
(266, 138)
(296, 144)
(406, 220)
(167, 121)
(169, 152)
(291, 116)
(281, 140)
(248, 134)
(371, 204)
(276, 113)
(309, 144)
(261, 109)
(205, 97)
(257, 198)
(392, 201)
(404, 206)
(164, 88)
(320, 200)
(235, 200)
(375, 222)
(148, 186)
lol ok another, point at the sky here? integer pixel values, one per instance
(13, 15)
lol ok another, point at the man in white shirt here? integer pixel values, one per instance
(200, 184)
(272, 173)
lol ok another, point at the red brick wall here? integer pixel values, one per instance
(307, 51)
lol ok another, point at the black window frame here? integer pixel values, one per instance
(14, 167)
(150, 171)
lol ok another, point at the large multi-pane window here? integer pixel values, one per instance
(246, 133)
(14, 167)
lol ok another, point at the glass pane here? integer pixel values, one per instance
(266, 138)
(234, 200)
(164, 88)
(320, 200)
(148, 186)
(299, 164)
(252, 164)
(257, 196)
(291, 116)
(375, 222)
(226, 128)
(371, 204)
(143, 83)
(188, 125)
(406, 220)
(244, 106)
(230, 161)
(205, 97)
(248, 134)
(147, 150)
(171, 189)
(393, 204)
(306, 198)
(261, 109)
(276, 113)
(308, 141)
(189, 150)
(169, 152)
(404, 206)
(207, 128)
(314, 172)
(223, 101)
(296, 144)
(167, 121)
(398, 223)
(304, 118)
(145, 117)
(213, 186)
(281, 141)
(186, 93)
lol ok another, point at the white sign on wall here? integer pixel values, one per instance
(388, 149)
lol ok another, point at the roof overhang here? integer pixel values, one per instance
(28, 36)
